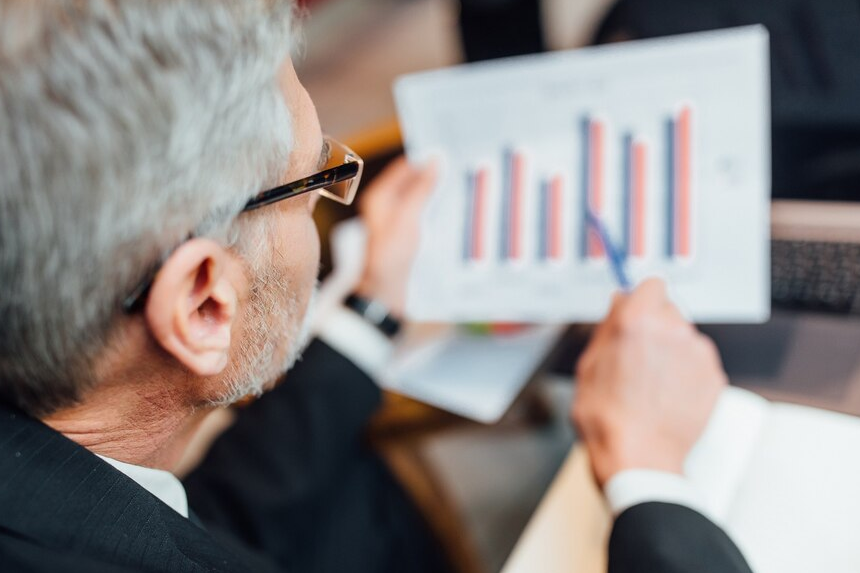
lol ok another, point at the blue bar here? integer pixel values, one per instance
(471, 193)
(627, 198)
(670, 188)
(585, 127)
(543, 217)
(507, 194)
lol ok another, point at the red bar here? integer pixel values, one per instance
(596, 134)
(479, 214)
(684, 183)
(554, 217)
(639, 158)
(515, 238)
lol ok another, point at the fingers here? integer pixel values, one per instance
(400, 176)
(586, 363)
(399, 186)
(647, 309)
(424, 181)
(382, 194)
(393, 176)
(650, 302)
(650, 294)
(416, 192)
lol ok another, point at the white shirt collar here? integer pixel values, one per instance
(159, 483)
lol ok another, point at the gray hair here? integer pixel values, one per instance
(125, 126)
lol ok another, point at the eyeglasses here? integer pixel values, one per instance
(338, 181)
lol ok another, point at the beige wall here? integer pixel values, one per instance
(355, 48)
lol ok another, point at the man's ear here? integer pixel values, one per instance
(191, 307)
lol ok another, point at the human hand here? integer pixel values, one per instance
(390, 209)
(647, 384)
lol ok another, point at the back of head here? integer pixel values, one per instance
(124, 127)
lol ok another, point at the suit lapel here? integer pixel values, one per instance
(60, 495)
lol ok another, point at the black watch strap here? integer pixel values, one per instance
(375, 313)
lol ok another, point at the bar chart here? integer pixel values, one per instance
(552, 193)
(665, 142)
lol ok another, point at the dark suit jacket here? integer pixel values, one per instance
(290, 487)
(669, 538)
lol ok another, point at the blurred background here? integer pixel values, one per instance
(480, 484)
(353, 50)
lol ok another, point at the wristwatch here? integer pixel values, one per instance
(375, 313)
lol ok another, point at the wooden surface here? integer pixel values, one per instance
(399, 431)
(570, 529)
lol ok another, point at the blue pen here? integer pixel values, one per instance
(616, 262)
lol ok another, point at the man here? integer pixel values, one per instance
(136, 299)
(146, 281)
(647, 384)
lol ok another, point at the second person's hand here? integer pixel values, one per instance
(647, 384)
(391, 210)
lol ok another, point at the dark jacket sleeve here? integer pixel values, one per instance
(670, 538)
(284, 449)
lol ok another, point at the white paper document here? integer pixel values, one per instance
(474, 376)
(666, 141)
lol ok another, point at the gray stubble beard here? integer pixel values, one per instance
(273, 318)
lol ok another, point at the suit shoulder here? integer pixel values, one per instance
(21, 555)
(671, 538)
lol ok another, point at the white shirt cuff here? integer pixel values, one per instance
(632, 487)
(356, 339)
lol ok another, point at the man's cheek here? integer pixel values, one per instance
(314, 241)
